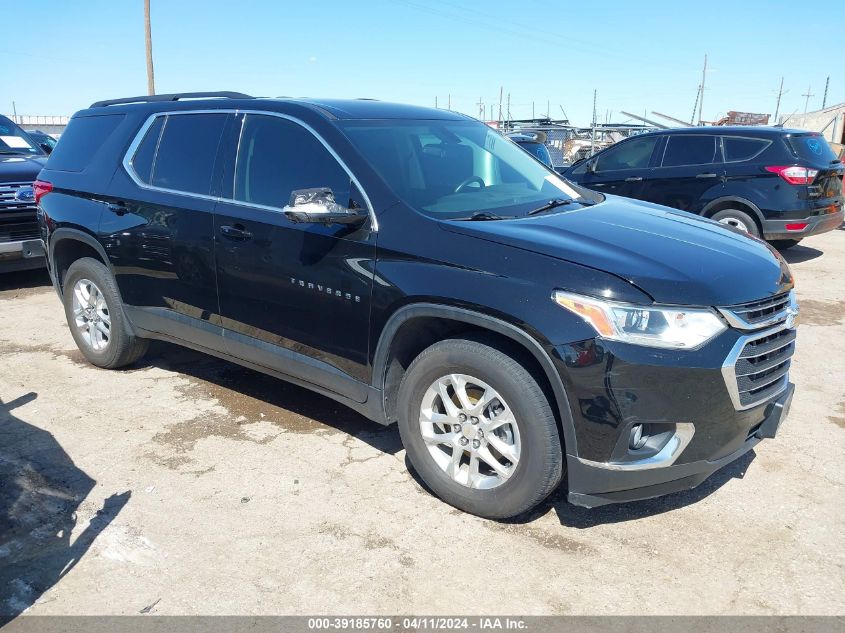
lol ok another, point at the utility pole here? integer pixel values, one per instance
(701, 100)
(435, 101)
(824, 99)
(509, 109)
(480, 105)
(807, 100)
(548, 111)
(501, 93)
(148, 40)
(532, 109)
(449, 102)
(15, 112)
(593, 129)
(780, 94)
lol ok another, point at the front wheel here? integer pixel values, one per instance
(95, 316)
(478, 429)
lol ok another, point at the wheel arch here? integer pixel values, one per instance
(414, 327)
(68, 245)
(733, 202)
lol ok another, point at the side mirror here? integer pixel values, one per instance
(318, 206)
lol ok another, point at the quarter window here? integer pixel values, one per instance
(142, 161)
(634, 154)
(277, 156)
(690, 149)
(187, 151)
(739, 149)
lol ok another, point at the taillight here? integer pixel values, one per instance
(795, 175)
(798, 226)
(41, 189)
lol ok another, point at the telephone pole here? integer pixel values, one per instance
(824, 99)
(480, 105)
(701, 99)
(593, 130)
(509, 108)
(148, 40)
(807, 100)
(501, 93)
(777, 107)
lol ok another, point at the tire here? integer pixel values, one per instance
(782, 245)
(737, 219)
(533, 436)
(95, 316)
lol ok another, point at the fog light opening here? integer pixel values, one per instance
(637, 440)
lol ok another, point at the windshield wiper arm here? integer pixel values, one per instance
(559, 202)
(482, 215)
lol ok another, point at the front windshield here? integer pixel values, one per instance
(13, 140)
(450, 169)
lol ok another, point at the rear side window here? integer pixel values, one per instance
(187, 151)
(142, 161)
(277, 156)
(738, 149)
(813, 148)
(634, 154)
(80, 142)
(690, 149)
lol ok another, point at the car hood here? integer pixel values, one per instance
(675, 257)
(20, 168)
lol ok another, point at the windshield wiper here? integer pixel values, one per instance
(482, 215)
(559, 202)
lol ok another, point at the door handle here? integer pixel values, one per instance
(707, 175)
(236, 232)
(634, 179)
(118, 208)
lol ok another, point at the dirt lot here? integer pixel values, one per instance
(188, 485)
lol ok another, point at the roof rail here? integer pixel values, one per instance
(172, 97)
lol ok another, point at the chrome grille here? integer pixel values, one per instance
(17, 217)
(758, 314)
(8, 191)
(758, 366)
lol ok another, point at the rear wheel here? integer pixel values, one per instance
(95, 316)
(478, 429)
(782, 245)
(737, 219)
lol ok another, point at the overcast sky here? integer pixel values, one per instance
(640, 56)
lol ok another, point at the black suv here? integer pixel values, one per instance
(418, 267)
(779, 184)
(20, 161)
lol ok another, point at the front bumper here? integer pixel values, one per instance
(592, 485)
(21, 255)
(776, 229)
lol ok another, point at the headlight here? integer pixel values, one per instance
(670, 327)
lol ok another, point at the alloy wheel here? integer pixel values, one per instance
(470, 431)
(734, 222)
(91, 314)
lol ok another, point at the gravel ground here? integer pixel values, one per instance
(187, 485)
